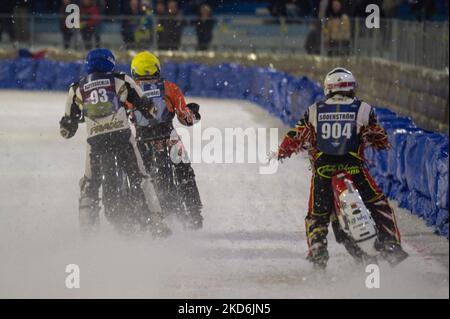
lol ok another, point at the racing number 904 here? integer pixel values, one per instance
(336, 130)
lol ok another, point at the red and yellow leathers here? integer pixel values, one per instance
(313, 134)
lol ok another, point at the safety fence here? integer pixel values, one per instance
(423, 43)
(414, 171)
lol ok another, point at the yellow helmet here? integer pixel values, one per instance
(145, 64)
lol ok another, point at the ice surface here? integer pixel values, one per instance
(252, 245)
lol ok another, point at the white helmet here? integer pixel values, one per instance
(338, 80)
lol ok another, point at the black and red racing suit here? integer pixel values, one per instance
(335, 133)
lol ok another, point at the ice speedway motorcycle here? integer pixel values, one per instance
(351, 220)
(355, 227)
(123, 204)
(161, 156)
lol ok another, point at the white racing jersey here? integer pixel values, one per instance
(103, 98)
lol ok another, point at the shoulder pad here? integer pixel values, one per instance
(120, 75)
(75, 84)
(318, 103)
(364, 103)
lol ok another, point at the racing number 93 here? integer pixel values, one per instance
(99, 104)
(98, 96)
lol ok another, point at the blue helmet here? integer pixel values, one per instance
(100, 60)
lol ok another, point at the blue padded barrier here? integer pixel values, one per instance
(123, 67)
(66, 74)
(170, 71)
(46, 72)
(230, 84)
(197, 77)
(415, 162)
(25, 73)
(183, 77)
(414, 171)
(7, 75)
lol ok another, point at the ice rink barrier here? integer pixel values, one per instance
(413, 172)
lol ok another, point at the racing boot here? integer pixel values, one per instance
(194, 219)
(318, 255)
(392, 252)
(157, 226)
(360, 257)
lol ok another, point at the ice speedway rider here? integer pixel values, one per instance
(335, 132)
(157, 139)
(100, 99)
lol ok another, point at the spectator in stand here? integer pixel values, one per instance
(277, 8)
(137, 31)
(160, 8)
(423, 9)
(312, 43)
(6, 19)
(66, 32)
(89, 20)
(204, 27)
(390, 8)
(101, 5)
(337, 30)
(143, 35)
(315, 8)
(21, 20)
(170, 27)
(160, 13)
(130, 25)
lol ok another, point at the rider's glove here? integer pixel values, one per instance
(281, 154)
(195, 108)
(68, 127)
(374, 135)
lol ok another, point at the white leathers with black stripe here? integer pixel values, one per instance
(114, 122)
(122, 94)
